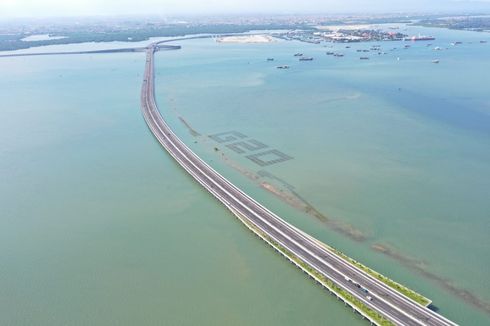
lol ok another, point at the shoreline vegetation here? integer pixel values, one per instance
(17, 41)
(463, 23)
(287, 194)
(25, 34)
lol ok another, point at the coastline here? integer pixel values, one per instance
(246, 39)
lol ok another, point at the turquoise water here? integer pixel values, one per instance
(99, 226)
(397, 148)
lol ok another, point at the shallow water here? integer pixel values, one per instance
(100, 226)
(396, 149)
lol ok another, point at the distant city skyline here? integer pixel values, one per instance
(50, 8)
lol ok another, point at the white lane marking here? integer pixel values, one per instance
(272, 226)
(339, 260)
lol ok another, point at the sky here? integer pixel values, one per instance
(51, 8)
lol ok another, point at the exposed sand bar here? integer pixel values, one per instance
(244, 39)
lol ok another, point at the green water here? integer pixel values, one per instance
(99, 226)
(400, 149)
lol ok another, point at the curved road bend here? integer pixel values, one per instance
(392, 305)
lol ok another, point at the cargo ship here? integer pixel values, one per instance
(419, 38)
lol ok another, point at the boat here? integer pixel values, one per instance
(437, 48)
(283, 67)
(419, 38)
(330, 53)
(435, 61)
(483, 42)
(306, 59)
(298, 54)
(270, 59)
(364, 58)
(338, 55)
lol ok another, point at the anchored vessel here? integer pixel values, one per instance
(354, 285)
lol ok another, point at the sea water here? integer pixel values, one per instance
(396, 147)
(99, 226)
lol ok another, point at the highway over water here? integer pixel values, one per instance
(374, 294)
